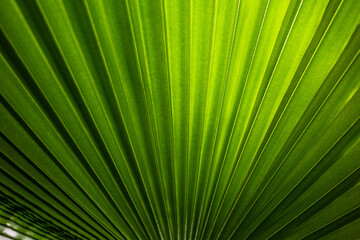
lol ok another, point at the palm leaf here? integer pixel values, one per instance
(180, 119)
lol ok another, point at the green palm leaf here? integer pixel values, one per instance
(180, 119)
